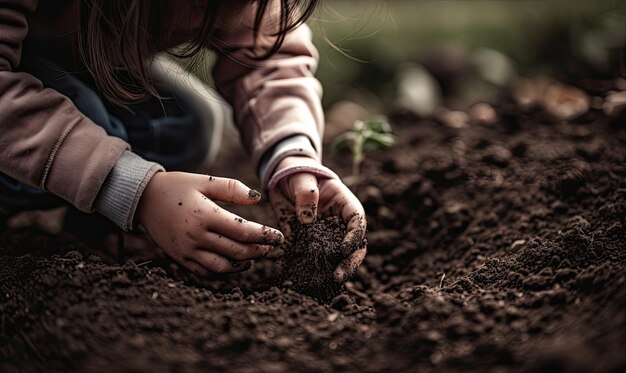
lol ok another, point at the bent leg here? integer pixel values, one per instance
(181, 130)
(212, 112)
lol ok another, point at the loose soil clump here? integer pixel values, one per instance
(311, 259)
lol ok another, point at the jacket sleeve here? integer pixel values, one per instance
(273, 99)
(44, 140)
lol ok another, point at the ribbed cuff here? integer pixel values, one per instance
(120, 194)
(318, 170)
(299, 145)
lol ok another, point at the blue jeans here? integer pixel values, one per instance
(166, 131)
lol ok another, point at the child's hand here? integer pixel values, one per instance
(178, 211)
(304, 196)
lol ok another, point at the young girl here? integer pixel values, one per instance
(82, 118)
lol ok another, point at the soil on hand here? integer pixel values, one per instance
(311, 259)
(491, 248)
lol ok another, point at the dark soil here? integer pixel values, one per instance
(491, 248)
(311, 259)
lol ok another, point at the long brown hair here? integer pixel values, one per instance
(117, 37)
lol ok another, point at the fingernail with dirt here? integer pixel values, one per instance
(271, 237)
(253, 194)
(306, 216)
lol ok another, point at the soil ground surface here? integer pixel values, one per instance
(491, 248)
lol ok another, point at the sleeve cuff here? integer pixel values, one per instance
(120, 194)
(299, 145)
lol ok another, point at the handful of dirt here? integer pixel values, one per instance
(313, 255)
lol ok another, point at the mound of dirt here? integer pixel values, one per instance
(310, 260)
(491, 248)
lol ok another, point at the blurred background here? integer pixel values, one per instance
(368, 46)
(428, 55)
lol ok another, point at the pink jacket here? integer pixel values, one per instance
(46, 142)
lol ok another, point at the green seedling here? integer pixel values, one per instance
(364, 136)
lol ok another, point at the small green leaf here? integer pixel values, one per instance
(384, 139)
(380, 125)
(371, 145)
(365, 136)
(375, 126)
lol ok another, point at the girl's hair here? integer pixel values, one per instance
(117, 37)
